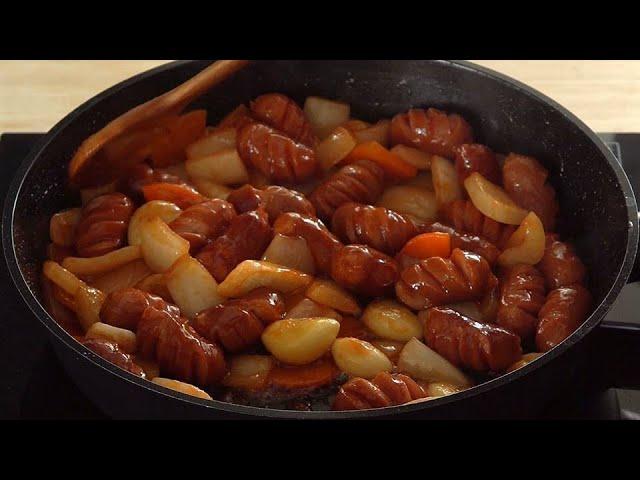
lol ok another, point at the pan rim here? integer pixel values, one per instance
(43, 316)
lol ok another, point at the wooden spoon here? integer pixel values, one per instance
(85, 166)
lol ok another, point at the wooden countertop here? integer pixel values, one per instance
(34, 95)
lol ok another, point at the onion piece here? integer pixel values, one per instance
(380, 132)
(526, 244)
(104, 263)
(192, 287)
(493, 201)
(419, 159)
(291, 252)
(420, 362)
(445, 180)
(335, 147)
(325, 115)
(165, 211)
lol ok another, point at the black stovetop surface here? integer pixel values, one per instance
(33, 384)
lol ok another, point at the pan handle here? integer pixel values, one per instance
(618, 352)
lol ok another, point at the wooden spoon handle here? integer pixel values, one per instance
(171, 102)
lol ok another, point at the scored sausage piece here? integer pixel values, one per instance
(377, 227)
(103, 225)
(465, 343)
(465, 276)
(563, 312)
(560, 264)
(283, 113)
(276, 156)
(432, 131)
(522, 294)
(246, 238)
(203, 222)
(361, 182)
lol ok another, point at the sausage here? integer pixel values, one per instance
(465, 217)
(180, 352)
(473, 157)
(477, 346)
(384, 390)
(203, 222)
(284, 114)
(364, 270)
(563, 312)
(103, 225)
(467, 242)
(522, 294)
(238, 324)
(465, 276)
(560, 264)
(246, 238)
(322, 243)
(361, 182)
(382, 229)
(112, 353)
(124, 308)
(268, 306)
(432, 131)
(276, 156)
(276, 200)
(140, 175)
(525, 180)
(235, 328)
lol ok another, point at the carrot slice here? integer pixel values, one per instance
(313, 375)
(391, 163)
(179, 133)
(183, 196)
(433, 244)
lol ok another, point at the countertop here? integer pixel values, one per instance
(36, 94)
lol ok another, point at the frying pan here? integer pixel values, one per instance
(598, 211)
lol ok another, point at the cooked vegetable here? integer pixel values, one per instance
(425, 245)
(182, 387)
(165, 211)
(249, 372)
(391, 163)
(211, 189)
(126, 276)
(161, 246)
(291, 252)
(182, 195)
(221, 139)
(192, 287)
(325, 115)
(104, 263)
(62, 277)
(62, 226)
(125, 339)
(329, 293)
(526, 244)
(300, 341)
(380, 133)
(416, 202)
(224, 167)
(333, 149)
(445, 180)
(422, 180)
(252, 274)
(314, 375)
(358, 358)
(419, 361)
(88, 302)
(307, 308)
(439, 389)
(417, 158)
(493, 201)
(392, 321)
(526, 359)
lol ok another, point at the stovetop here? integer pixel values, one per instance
(33, 384)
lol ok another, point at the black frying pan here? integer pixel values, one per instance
(598, 211)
